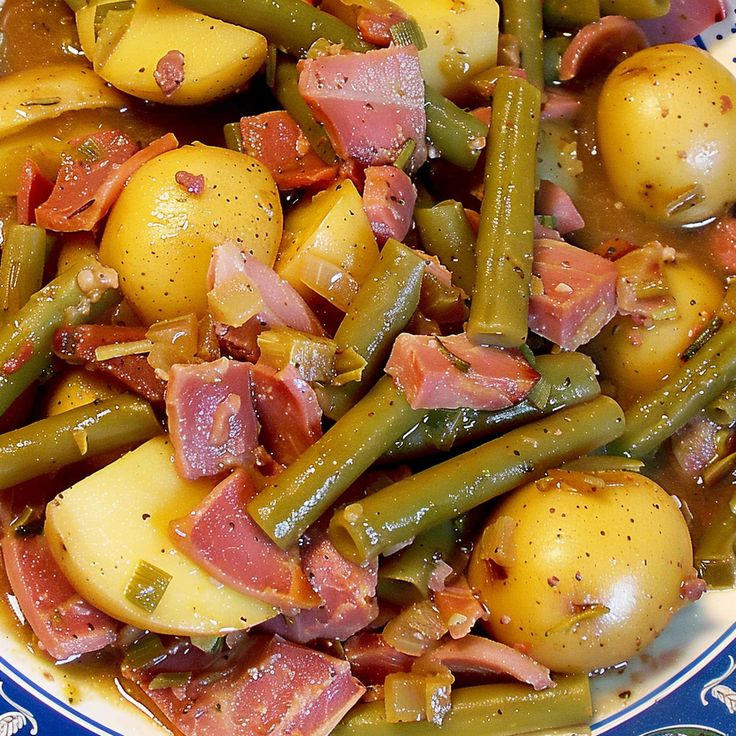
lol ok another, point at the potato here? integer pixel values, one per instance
(100, 529)
(77, 387)
(462, 40)
(160, 238)
(584, 577)
(666, 118)
(219, 58)
(331, 226)
(636, 358)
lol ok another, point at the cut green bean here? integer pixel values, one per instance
(57, 441)
(722, 410)
(504, 250)
(405, 509)
(233, 137)
(299, 495)
(77, 295)
(636, 9)
(570, 15)
(604, 463)
(523, 19)
(446, 233)
(387, 299)
(554, 49)
(658, 415)
(404, 577)
(21, 268)
(572, 380)
(715, 553)
(501, 710)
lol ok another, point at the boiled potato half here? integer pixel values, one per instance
(159, 236)
(582, 571)
(666, 121)
(101, 529)
(126, 48)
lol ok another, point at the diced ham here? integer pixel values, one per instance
(221, 537)
(389, 197)
(452, 372)
(693, 587)
(459, 609)
(288, 410)
(283, 690)
(212, 421)
(78, 345)
(348, 594)
(375, 23)
(478, 655)
(601, 45)
(686, 19)
(33, 190)
(722, 243)
(578, 293)
(275, 139)
(89, 183)
(190, 183)
(695, 445)
(561, 104)
(553, 200)
(370, 103)
(372, 658)
(66, 625)
(169, 72)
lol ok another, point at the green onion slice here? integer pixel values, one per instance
(408, 32)
(170, 679)
(147, 586)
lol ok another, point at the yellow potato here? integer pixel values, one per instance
(160, 238)
(45, 92)
(219, 58)
(76, 388)
(100, 529)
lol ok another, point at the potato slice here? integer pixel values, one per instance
(102, 528)
(45, 92)
(219, 58)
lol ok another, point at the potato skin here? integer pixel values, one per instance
(160, 237)
(657, 145)
(624, 546)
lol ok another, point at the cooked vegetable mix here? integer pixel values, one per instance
(365, 366)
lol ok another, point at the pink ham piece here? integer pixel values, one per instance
(722, 244)
(478, 655)
(221, 537)
(283, 690)
(601, 45)
(553, 200)
(372, 658)
(371, 104)
(348, 594)
(375, 22)
(86, 189)
(577, 293)
(695, 446)
(451, 373)
(289, 412)
(561, 104)
(686, 19)
(212, 421)
(389, 197)
(66, 625)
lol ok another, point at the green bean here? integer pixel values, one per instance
(26, 342)
(446, 233)
(382, 308)
(554, 49)
(404, 577)
(501, 710)
(233, 137)
(715, 553)
(500, 307)
(57, 441)
(298, 496)
(722, 410)
(636, 9)
(603, 463)
(659, 414)
(457, 135)
(570, 15)
(407, 508)
(21, 268)
(523, 19)
(571, 377)
(286, 90)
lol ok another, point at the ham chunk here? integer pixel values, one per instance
(65, 624)
(452, 372)
(371, 104)
(347, 592)
(553, 200)
(388, 199)
(212, 420)
(221, 537)
(577, 293)
(282, 690)
(686, 18)
(289, 412)
(372, 658)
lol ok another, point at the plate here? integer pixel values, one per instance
(683, 685)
